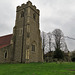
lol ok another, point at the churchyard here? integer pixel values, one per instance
(56, 68)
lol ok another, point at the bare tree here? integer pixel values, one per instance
(58, 38)
(49, 36)
(66, 48)
(43, 35)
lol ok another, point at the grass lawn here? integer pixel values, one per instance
(38, 69)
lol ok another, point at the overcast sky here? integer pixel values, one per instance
(53, 14)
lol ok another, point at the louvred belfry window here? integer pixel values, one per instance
(34, 16)
(22, 14)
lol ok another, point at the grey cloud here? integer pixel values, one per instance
(7, 17)
(53, 14)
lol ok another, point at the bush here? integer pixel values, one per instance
(58, 54)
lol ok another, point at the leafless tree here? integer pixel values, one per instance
(49, 37)
(65, 48)
(58, 38)
(43, 36)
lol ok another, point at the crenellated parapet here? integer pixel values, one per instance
(28, 4)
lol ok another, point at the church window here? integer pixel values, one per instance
(27, 54)
(33, 47)
(22, 14)
(5, 55)
(34, 16)
(28, 28)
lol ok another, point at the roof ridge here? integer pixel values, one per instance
(6, 35)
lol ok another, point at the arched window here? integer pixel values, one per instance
(22, 14)
(28, 28)
(33, 47)
(5, 55)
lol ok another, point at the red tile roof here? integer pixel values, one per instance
(5, 40)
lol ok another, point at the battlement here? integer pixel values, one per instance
(28, 4)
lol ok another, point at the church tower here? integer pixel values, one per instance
(26, 35)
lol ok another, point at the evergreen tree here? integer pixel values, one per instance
(58, 54)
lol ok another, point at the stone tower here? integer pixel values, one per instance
(26, 35)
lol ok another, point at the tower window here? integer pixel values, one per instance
(28, 28)
(22, 14)
(34, 16)
(5, 55)
(33, 47)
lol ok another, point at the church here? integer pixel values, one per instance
(25, 44)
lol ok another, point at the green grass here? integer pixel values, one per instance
(38, 69)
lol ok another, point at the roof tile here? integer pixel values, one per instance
(5, 40)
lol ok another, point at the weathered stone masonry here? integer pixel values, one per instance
(25, 45)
